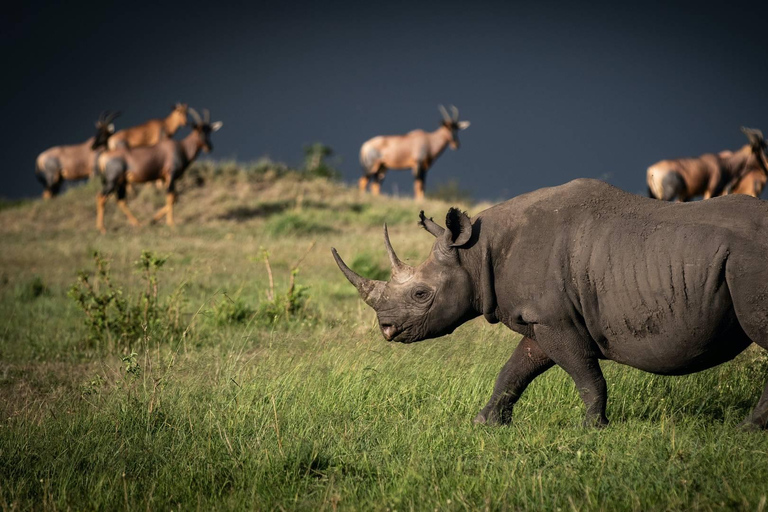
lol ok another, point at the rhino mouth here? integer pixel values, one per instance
(390, 331)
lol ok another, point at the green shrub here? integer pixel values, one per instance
(315, 164)
(6, 204)
(391, 215)
(32, 289)
(115, 320)
(232, 311)
(284, 306)
(288, 306)
(368, 267)
(451, 192)
(295, 224)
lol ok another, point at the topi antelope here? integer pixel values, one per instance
(708, 175)
(74, 162)
(751, 180)
(167, 160)
(151, 132)
(417, 150)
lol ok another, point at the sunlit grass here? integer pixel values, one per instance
(319, 412)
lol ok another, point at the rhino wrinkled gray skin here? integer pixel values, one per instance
(584, 272)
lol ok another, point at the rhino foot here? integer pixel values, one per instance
(492, 418)
(596, 422)
(748, 425)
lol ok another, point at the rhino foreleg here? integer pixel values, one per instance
(526, 363)
(573, 352)
(759, 417)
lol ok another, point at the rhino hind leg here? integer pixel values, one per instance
(526, 363)
(747, 278)
(574, 352)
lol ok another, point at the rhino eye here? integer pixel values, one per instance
(421, 294)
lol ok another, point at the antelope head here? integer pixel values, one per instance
(179, 113)
(104, 128)
(453, 124)
(758, 145)
(204, 127)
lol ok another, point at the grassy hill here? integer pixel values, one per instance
(195, 384)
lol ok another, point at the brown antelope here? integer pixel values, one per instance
(751, 181)
(167, 160)
(685, 178)
(74, 162)
(151, 132)
(417, 150)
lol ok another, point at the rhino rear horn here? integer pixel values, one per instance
(400, 271)
(370, 290)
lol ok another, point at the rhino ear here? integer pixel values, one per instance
(459, 228)
(430, 225)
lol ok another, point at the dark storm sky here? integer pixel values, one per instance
(554, 90)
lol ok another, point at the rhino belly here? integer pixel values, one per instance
(687, 336)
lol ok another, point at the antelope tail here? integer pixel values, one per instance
(368, 157)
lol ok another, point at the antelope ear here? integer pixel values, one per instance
(111, 128)
(216, 126)
(463, 125)
(459, 228)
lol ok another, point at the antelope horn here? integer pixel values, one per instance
(433, 228)
(444, 113)
(400, 271)
(206, 116)
(370, 290)
(195, 115)
(455, 113)
(751, 132)
(111, 116)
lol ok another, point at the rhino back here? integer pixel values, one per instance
(646, 278)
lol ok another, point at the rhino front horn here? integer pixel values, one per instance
(370, 290)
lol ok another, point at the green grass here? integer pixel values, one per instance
(316, 411)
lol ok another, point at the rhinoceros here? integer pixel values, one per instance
(585, 271)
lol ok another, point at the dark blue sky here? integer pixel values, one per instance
(554, 90)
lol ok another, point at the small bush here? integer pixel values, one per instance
(290, 305)
(295, 224)
(32, 289)
(391, 215)
(6, 204)
(229, 311)
(451, 192)
(368, 267)
(283, 306)
(113, 319)
(315, 164)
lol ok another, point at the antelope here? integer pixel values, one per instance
(73, 162)
(707, 175)
(167, 160)
(751, 181)
(151, 132)
(416, 150)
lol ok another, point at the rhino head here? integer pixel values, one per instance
(429, 300)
